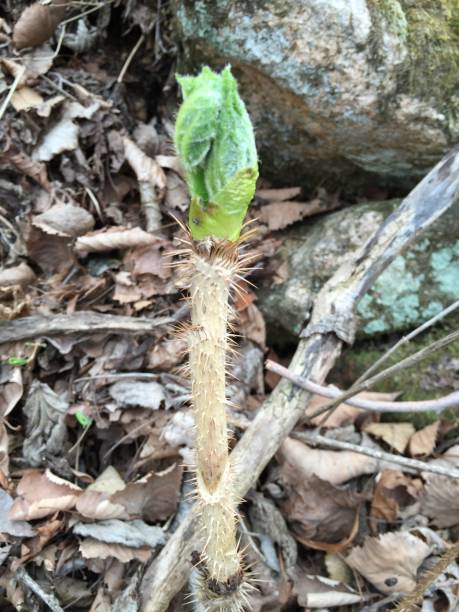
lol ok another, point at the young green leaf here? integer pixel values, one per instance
(83, 419)
(214, 138)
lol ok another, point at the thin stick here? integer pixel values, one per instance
(436, 405)
(48, 598)
(12, 89)
(405, 363)
(406, 339)
(77, 323)
(129, 59)
(412, 464)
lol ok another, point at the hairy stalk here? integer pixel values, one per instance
(211, 271)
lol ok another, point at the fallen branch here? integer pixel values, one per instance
(333, 322)
(411, 464)
(48, 598)
(435, 405)
(82, 322)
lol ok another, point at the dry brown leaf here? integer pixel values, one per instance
(40, 495)
(18, 275)
(146, 169)
(95, 502)
(154, 497)
(422, 442)
(65, 220)
(11, 390)
(34, 169)
(171, 162)
(315, 509)
(93, 549)
(114, 238)
(251, 325)
(37, 23)
(393, 491)
(391, 561)
(51, 253)
(344, 413)
(321, 592)
(177, 197)
(166, 355)
(335, 467)
(278, 215)
(44, 533)
(441, 496)
(25, 98)
(148, 260)
(279, 195)
(396, 435)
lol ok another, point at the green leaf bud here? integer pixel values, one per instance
(214, 138)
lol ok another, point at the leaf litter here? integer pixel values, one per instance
(96, 427)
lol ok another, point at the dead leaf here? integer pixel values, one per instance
(20, 529)
(63, 136)
(393, 491)
(171, 162)
(93, 549)
(344, 413)
(146, 169)
(37, 23)
(65, 220)
(335, 467)
(41, 495)
(251, 325)
(37, 62)
(51, 253)
(112, 239)
(154, 497)
(396, 435)
(17, 275)
(316, 510)
(46, 432)
(136, 393)
(25, 98)
(279, 215)
(167, 354)
(391, 561)
(422, 442)
(320, 592)
(279, 195)
(98, 506)
(34, 169)
(11, 390)
(135, 534)
(177, 197)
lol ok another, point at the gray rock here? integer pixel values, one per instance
(338, 89)
(415, 287)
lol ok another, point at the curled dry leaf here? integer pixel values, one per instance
(317, 511)
(396, 435)
(422, 442)
(41, 495)
(34, 169)
(18, 275)
(441, 495)
(65, 220)
(278, 195)
(136, 393)
(19, 529)
(46, 432)
(320, 592)
(61, 137)
(393, 491)
(166, 355)
(252, 325)
(51, 253)
(177, 197)
(391, 561)
(25, 98)
(113, 238)
(146, 168)
(129, 533)
(278, 215)
(335, 467)
(93, 549)
(37, 23)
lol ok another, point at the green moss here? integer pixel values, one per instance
(394, 16)
(429, 379)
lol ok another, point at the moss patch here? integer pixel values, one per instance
(429, 379)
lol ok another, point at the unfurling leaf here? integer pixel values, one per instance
(214, 138)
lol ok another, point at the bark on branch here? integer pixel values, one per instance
(333, 321)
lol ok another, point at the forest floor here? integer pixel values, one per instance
(96, 422)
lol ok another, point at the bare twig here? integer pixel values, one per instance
(435, 405)
(12, 89)
(333, 321)
(412, 464)
(441, 315)
(77, 323)
(48, 598)
(129, 59)
(405, 363)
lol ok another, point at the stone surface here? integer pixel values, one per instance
(342, 92)
(416, 286)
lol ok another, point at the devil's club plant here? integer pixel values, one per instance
(214, 139)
